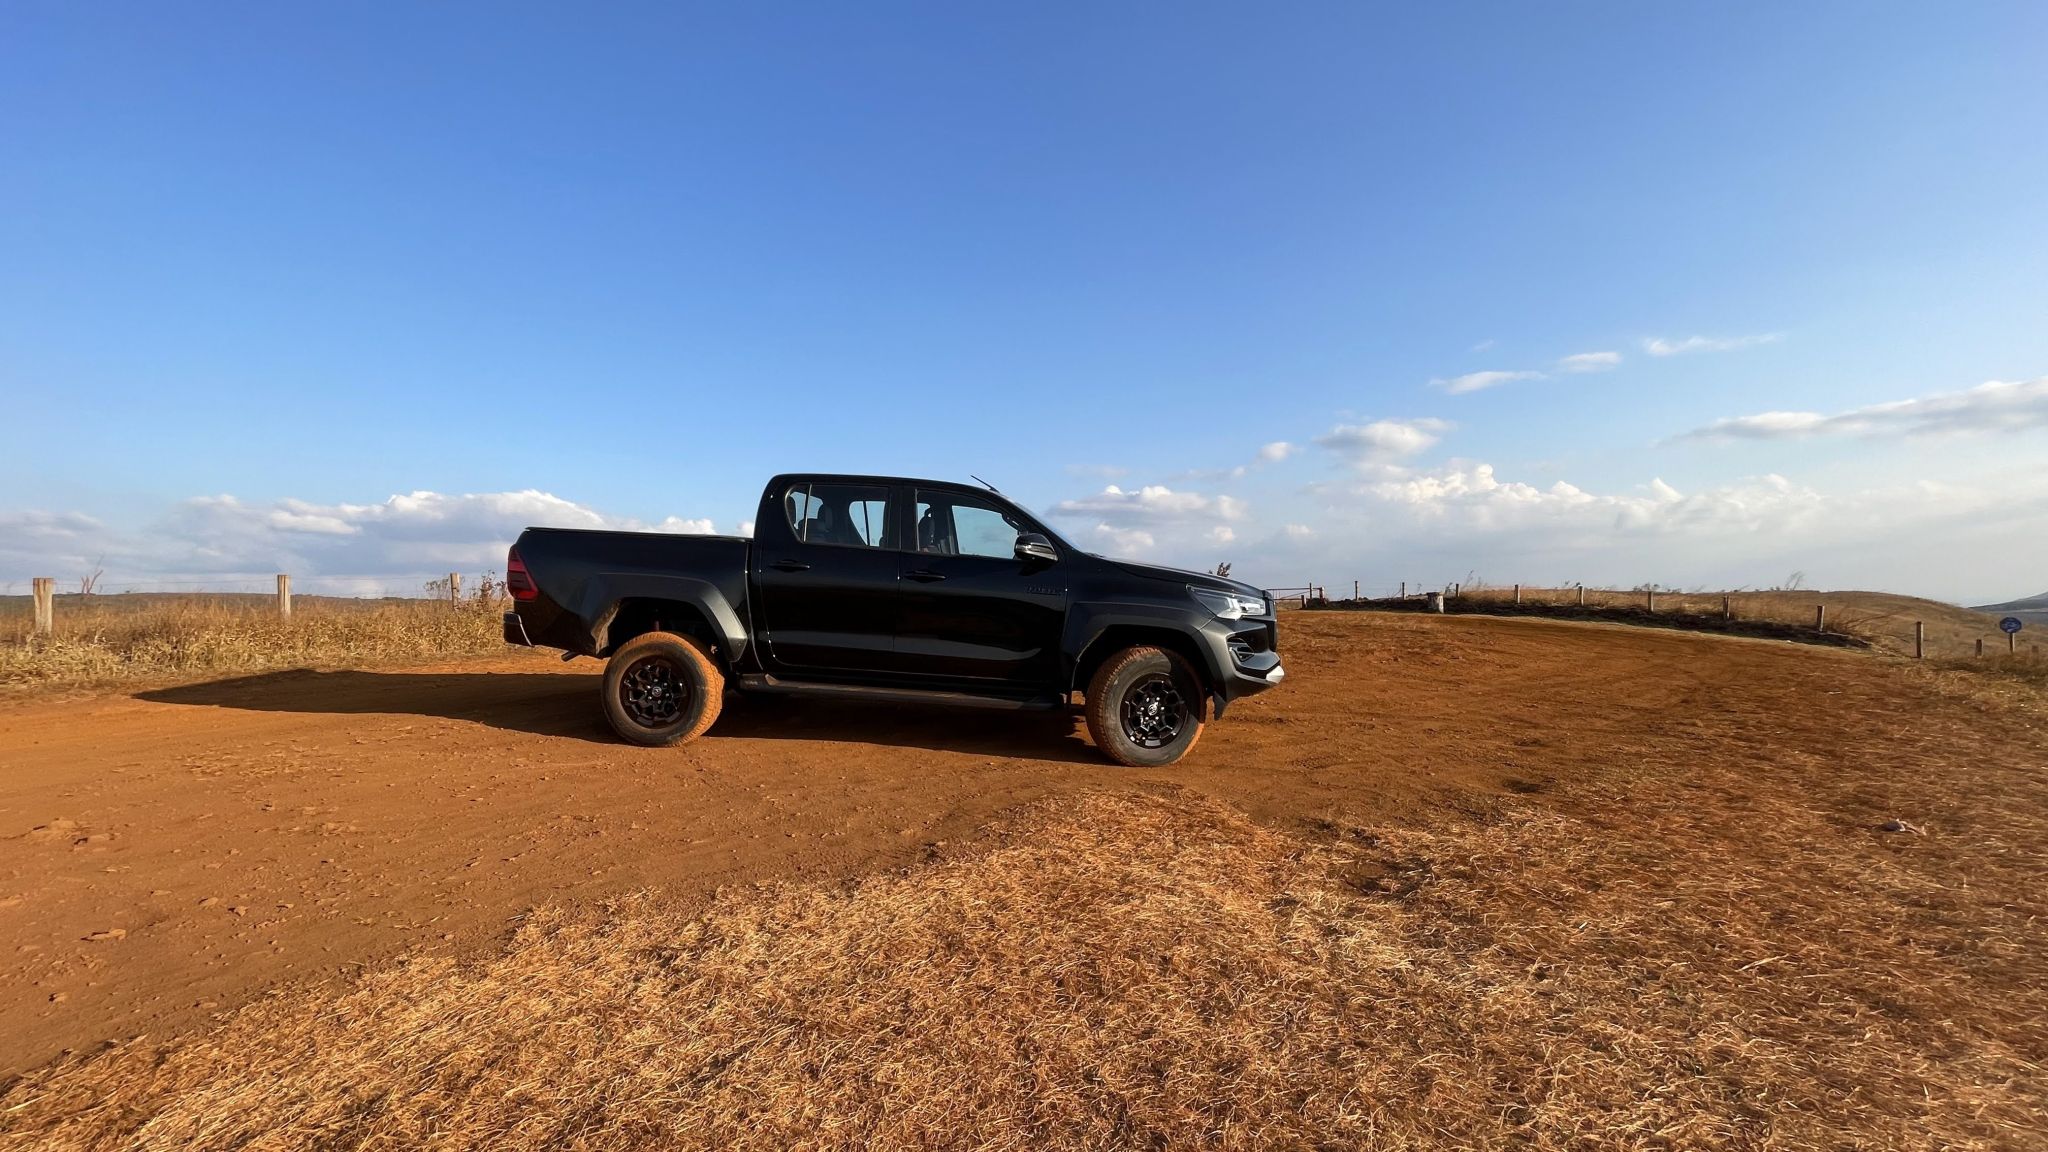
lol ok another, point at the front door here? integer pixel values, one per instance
(970, 610)
(825, 580)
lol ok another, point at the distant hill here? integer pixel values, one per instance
(2033, 610)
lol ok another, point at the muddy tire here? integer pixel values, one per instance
(661, 689)
(1145, 708)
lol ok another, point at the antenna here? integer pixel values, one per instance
(986, 484)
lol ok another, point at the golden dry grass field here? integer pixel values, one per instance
(111, 639)
(1461, 882)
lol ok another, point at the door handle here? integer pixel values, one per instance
(790, 566)
(925, 576)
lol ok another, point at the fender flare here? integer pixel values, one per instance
(1086, 624)
(606, 591)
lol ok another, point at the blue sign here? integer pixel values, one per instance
(2009, 625)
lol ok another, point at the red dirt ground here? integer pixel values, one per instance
(176, 853)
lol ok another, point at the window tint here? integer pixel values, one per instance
(954, 525)
(854, 515)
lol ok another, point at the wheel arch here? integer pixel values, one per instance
(1113, 638)
(620, 608)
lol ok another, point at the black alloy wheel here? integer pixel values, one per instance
(1153, 711)
(653, 691)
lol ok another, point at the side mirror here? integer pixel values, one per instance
(1032, 546)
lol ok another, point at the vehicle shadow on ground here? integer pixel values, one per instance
(565, 705)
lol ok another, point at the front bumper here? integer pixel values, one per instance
(1242, 658)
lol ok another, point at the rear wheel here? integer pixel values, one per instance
(661, 689)
(1145, 707)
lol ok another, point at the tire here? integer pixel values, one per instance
(661, 689)
(1131, 699)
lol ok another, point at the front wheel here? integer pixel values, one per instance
(1145, 707)
(661, 689)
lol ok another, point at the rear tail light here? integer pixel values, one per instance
(517, 580)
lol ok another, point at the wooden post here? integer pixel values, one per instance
(1980, 647)
(284, 595)
(1404, 589)
(1354, 589)
(1518, 593)
(1919, 640)
(454, 586)
(1820, 618)
(1726, 614)
(45, 588)
(1650, 598)
(1582, 595)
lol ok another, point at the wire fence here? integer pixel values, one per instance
(404, 586)
(1898, 624)
(1786, 613)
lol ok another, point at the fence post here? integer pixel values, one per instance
(1404, 589)
(454, 586)
(45, 588)
(1582, 595)
(1651, 599)
(1820, 618)
(1919, 640)
(1354, 590)
(1980, 647)
(1518, 593)
(284, 596)
(1726, 613)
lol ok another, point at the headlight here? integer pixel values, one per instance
(1230, 605)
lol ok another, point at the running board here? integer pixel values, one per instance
(760, 683)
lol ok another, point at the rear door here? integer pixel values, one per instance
(826, 575)
(971, 611)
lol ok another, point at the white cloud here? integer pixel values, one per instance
(1658, 346)
(702, 526)
(1997, 406)
(1383, 441)
(1116, 541)
(1475, 381)
(48, 526)
(1272, 453)
(1154, 503)
(222, 542)
(1589, 362)
(1155, 519)
(1483, 345)
(1297, 531)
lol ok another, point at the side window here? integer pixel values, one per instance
(954, 525)
(850, 515)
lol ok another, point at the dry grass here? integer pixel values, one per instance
(1712, 959)
(118, 639)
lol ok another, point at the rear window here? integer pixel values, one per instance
(848, 515)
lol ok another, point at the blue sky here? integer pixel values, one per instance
(619, 266)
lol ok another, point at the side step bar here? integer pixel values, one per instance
(761, 683)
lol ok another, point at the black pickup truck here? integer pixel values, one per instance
(892, 589)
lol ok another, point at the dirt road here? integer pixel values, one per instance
(172, 854)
